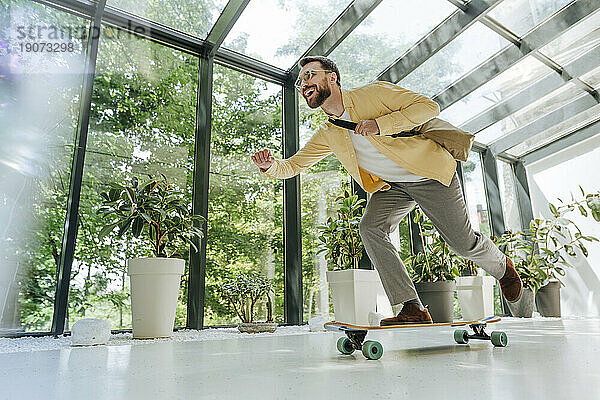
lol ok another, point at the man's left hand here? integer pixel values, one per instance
(367, 128)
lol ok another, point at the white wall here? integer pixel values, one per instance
(558, 176)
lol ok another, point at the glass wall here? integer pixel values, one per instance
(508, 196)
(42, 58)
(142, 124)
(475, 194)
(245, 208)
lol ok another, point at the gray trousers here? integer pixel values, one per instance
(445, 208)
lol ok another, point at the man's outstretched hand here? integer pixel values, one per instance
(263, 159)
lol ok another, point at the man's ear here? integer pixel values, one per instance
(333, 78)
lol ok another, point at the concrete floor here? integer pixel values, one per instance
(544, 359)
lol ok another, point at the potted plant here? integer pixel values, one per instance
(433, 271)
(542, 251)
(354, 291)
(156, 211)
(521, 250)
(243, 294)
(475, 291)
(557, 238)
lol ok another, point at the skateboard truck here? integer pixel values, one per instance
(356, 338)
(498, 339)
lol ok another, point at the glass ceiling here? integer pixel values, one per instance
(472, 47)
(297, 25)
(500, 88)
(193, 17)
(362, 55)
(278, 32)
(520, 16)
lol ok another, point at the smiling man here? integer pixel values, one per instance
(399, 172)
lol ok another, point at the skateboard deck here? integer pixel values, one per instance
(355, 335)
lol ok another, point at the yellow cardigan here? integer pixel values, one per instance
(395, 109)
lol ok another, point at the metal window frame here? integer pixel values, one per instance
(292, 222)
(63, 279)
(200, 182)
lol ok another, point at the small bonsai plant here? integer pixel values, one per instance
(437, 262)
(245, 291)
(340, 236)
(156, 208)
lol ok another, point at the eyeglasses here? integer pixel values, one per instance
(307, 75)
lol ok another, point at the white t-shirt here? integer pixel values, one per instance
(374, 162)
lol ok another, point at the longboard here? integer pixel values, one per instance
(355, 335)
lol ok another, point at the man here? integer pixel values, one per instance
(399, 172)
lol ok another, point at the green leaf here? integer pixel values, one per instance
(582, 210)
(583, 249)
(106, 230)
(137, 227)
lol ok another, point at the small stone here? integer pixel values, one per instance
(315, 324)
(89, 332)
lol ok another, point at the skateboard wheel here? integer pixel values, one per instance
(344, 345)
(499, 339)
(461, 336)
(372, 350)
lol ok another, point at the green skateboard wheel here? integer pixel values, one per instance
(461, 336)
(344, 345)
(499, 339)
(372, 350)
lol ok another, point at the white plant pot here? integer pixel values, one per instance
(154, 293)
(475, 296)
(356, 293)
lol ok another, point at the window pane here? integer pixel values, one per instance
(195, 17)
(576, 41)
(508, 196)
(39, 107)
(472, 47)
(245, 208)
(556, 132)
(280, 31)
(321, 185)
(385, 38)
(500, 88)
(521, 15)
(141, 123)
(538, 109)
(475, 194)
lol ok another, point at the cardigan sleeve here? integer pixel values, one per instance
(314, 151)
(408, 109)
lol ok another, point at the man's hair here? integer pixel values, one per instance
(326, 63)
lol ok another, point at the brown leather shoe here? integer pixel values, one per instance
(410, 314)
(510, 283)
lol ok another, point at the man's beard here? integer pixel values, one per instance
(322, 94)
